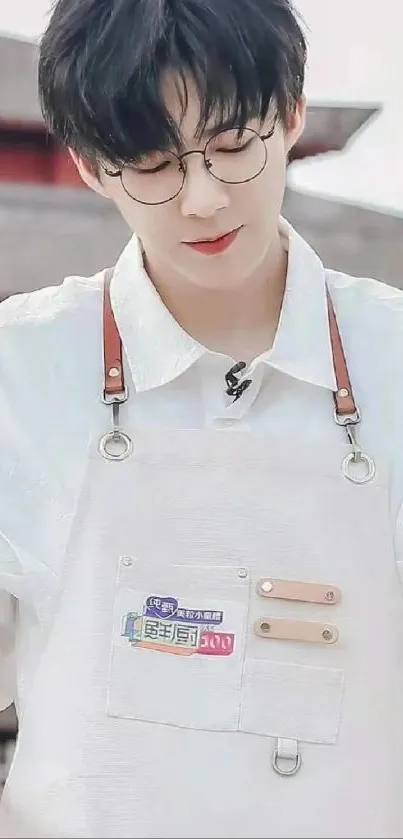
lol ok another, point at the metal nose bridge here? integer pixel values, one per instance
(195, 151)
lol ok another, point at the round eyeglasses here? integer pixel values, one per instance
(232, 156)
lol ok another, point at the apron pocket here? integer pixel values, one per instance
(291, 701)
(178, 645)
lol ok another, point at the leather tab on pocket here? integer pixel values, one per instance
(293, 630)
(298, 590)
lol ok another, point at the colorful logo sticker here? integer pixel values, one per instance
(165, 626)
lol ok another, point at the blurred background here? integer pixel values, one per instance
(345, 179)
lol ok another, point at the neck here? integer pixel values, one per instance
(240, 322)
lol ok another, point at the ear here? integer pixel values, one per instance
(295, 124)
(88, 174)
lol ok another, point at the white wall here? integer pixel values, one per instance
(349, 41)
(356, 55)
(23, 18)
(353, 48)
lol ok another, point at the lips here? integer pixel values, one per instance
(216, 245)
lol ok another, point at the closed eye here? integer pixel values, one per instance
(151, 171)
(235, 149)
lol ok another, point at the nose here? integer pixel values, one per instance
(202, 195)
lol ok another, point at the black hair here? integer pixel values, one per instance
(101, 64)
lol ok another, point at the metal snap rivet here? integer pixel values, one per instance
(330, 595)
(327, 635)
(343, 392)
(267, 586)
(242, 573)
(114, 372)
(128, 562)
(265, 627)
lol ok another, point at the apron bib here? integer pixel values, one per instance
(233, 661)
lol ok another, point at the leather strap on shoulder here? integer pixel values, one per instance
(343, 396)
(114, 381)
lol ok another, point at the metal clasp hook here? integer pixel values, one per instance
(115, 444)
(356, 451)
(356, 456)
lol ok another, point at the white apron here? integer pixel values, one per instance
(234, 656)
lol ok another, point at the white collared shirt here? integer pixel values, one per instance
(51, 381)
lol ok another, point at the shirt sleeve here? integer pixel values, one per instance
(8, 612)
(7, 650)
(19, 581)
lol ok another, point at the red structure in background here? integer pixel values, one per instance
(29, 155)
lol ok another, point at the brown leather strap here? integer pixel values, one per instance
(343, 396)
(114, 382)
(113, 356)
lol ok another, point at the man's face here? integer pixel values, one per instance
(206, 207)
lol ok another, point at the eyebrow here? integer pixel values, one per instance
(208, 133)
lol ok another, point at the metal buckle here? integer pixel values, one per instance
(351, 460)
(293, 769)
(356, 456)
(115, 444)
(287, 751)
(347, 419)
(110, 398)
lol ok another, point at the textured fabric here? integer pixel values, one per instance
(131, 736)
(267, 498)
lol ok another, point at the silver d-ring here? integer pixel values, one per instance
(115, 445)
(293, 769)
(358, 457)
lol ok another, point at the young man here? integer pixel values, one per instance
(201, 466)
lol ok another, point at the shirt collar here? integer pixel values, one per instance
(302, 346)
(158, 349)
